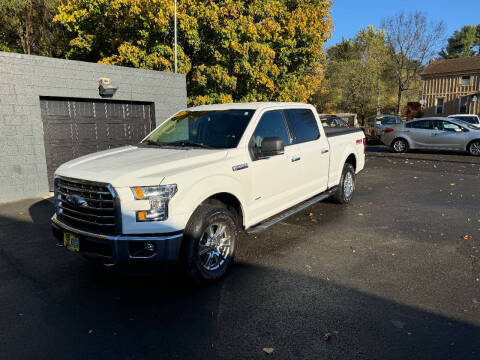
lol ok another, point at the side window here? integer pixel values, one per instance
(422, 124)
(303, 125)
(448, 126)
(271, 124)
(437, 125)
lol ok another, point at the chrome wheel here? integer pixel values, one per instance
(475, 148)
(348, 185)
(400, 145)
(215, 246)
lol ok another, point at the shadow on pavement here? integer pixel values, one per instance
(55, 305)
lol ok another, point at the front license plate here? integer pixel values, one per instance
(71, 242)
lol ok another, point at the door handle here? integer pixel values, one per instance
(295, 158)
(324, 151)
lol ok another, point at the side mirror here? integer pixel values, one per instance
(271, 146)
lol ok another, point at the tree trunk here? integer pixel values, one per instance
(399, 99)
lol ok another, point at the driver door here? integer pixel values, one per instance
(449, 136)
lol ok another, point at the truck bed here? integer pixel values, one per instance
(331, 132)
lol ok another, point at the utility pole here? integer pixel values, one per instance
(175, 27)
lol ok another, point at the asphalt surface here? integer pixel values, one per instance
(394, 275)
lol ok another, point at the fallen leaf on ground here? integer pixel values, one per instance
(327, 336)
(467, 237)
(311, 214)
(398, 324)
(268, 351)
(315, 220)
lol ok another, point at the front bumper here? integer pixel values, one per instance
(121, 248)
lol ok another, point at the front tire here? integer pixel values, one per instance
(346, 187)
(474, 148)
(209, 243)
(400, 145)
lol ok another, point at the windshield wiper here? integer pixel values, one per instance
(150, 142)
(186, 143)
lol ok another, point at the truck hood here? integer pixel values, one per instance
(137, 166)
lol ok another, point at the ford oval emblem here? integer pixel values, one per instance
(76, 201)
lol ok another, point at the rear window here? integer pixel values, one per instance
(303, 125)
(388, 120)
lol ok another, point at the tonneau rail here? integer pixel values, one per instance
(331, 132)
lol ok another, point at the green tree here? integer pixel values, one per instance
(465, 42)
(232, 50)
(27, 27)
(355, 72)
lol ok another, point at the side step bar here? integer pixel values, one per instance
(291, 211)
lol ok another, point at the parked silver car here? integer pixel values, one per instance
(375, 125)
(433, 133)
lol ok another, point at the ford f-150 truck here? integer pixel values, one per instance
(185, 191)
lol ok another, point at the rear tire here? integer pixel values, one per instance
(400, 145)
(474, 148)
(346, 187)
(209, 243)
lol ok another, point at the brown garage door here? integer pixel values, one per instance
(76, 127)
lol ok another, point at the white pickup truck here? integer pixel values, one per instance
(208, 172)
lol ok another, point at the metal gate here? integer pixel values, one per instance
(77, 127)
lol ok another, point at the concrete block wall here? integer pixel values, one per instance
(25, 78)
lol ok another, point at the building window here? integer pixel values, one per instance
(439, 107)
(462, 104)
(465, 80)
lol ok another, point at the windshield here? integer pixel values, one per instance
(466, 124)
(215, 129)
(388, 120)
(469, 119)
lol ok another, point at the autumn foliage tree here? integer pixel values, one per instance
(232, 50)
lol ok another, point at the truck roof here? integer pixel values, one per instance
(249, 105)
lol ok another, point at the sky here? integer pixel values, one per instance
(349, 16)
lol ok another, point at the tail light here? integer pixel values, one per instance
(387, 130)
(362, 141)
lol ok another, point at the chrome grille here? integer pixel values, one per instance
(87, 204)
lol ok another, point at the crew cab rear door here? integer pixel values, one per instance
(311, 150)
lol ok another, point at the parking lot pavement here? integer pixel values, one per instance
(394, 275)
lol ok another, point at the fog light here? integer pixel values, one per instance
(148, 246)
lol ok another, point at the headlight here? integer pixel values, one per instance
(159, 196)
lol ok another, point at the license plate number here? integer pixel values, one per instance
(71, 242)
